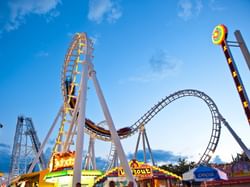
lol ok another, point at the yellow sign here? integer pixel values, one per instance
(62, 160)
(219, 34)
(137, 172)
(138, 169)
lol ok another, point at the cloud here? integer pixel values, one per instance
(95, 39)
(52, 15)
(4, 158)
(101, 163)
(160, 156)
(161, 65)
(19, 9)
(188, 9)
(42, 54)
(70, 34)
(4, 146)
(161, 62)
(215, 6)
(100, 10)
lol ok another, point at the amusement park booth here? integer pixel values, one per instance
(34, 179)
(59, 174)
(238, 172)
(64, 178)
(61, 171)
(145, 175)
(61, 178)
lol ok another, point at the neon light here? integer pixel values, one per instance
(70, 173)
(219, 34)
(225, 48)
(61, 161)
(239, 88)
(234, 74)
(137, 172)
(245, 104)
(139, 169)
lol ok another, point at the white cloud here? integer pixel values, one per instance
(19, 9)
(185, 9)
(198, 7)
(188, 9)
(70, 34)
(52, 15)
(42, 54)
(161, 65)
(216, 6)
(95, 39)
(161, 157)
(100, 10)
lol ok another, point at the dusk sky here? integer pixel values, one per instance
(143, 52)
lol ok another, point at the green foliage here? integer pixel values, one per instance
(181, 167)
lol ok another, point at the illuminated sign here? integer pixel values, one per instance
(61, 161)
(138, 169)
(137, 172)
(63, 173)
(219, 34)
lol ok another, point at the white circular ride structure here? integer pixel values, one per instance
(77, 71)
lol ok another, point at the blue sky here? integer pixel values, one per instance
(143, 51)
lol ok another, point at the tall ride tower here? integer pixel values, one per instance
(219, 37)
(25, 147)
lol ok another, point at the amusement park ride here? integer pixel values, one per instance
(78, 69)
(219, 37)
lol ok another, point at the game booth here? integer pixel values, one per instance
(61, 171)
(59, 174)
(145, 175)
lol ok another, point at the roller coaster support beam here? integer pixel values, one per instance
(90, 162)
(144, 138)
(92, 144)
(149, 148)
(243, 47)
(80, 126)
(236, 137)
(114, 134)
(137, 144)
(44, 142)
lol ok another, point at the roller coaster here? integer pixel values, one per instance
(77, 70)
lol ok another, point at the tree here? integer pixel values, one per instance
(181, 167)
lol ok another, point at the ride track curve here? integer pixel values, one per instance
(104, 134)
(79, 51)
